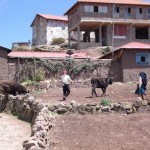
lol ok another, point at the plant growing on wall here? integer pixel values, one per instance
(58, 41)
(31, 68)
(40, 76)
(105, 102)
(106, 50)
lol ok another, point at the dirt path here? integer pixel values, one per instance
(12, 132)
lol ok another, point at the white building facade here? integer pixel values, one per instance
(46, 27)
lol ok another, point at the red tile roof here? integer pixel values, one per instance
(135, 45)
(52, 17)
(129, 2)
(139, 2)
(51, 55)
(130, 46)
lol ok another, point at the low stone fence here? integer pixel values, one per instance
(84, 109)
(26, 107)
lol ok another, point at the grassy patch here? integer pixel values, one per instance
(105, 102)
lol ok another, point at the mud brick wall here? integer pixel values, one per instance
(3, 65)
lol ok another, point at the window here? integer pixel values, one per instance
(95, 8)
(148, 13)
(88, 8)
(63, 27)
(15, 45)
(102, 9)
(141, 32)
(116, 9)
(142, 59)
(140, 10)
(120, 30)
(128, 12)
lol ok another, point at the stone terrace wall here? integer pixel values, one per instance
(20, 69)
(94, 108)
(28, 109)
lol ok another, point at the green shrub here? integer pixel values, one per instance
(105, 102)
(58, 41)
(29, 83)
(21, 48)
(106, 50)
(39, 76)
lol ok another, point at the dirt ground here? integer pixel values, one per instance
(117, 92)
(99, 132)
(13, 132)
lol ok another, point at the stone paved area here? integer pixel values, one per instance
(12, 132)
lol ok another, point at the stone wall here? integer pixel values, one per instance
(56, 29)
(28, 109)
(26, 68)
(94, 108)
(39, 32)
(45, 30)
(3, 64)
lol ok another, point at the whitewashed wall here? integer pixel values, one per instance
(56, 29)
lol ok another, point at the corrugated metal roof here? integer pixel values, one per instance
(135, 45)
(52, 55)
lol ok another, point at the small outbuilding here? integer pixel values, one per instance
(133, 58)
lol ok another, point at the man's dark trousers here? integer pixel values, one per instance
(66, 90)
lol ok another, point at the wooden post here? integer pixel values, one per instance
(34, 67)
(17, 73)
(69, 46)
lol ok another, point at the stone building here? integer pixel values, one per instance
(16, 45)
(46, 27)
(4, 63)
(114, 22)
(133, 58)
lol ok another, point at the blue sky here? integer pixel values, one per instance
(16, 17)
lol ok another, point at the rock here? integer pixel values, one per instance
(62, 110)
(115, 106)
(105, 109)
(144, 103)
(29, 144)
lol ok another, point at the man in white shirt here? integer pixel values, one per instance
(66, 80)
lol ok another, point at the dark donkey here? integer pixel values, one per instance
(100, 83)
(8, 87)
